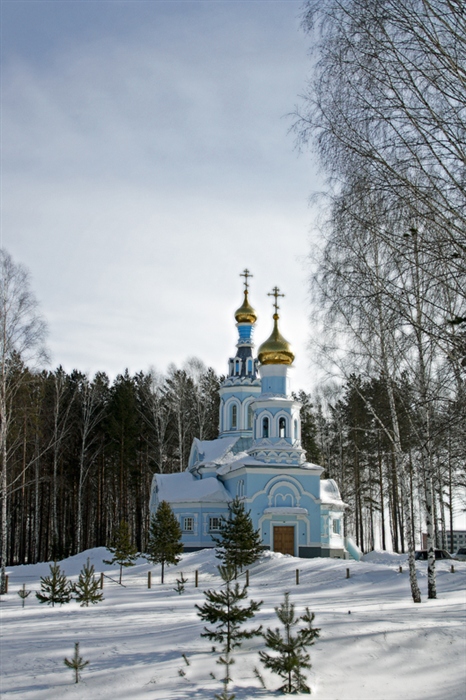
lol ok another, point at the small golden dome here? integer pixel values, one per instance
(275, 350)
(245, 313)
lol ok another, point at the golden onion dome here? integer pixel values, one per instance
(275, 350)
(245, 313)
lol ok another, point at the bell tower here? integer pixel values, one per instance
(277, 422)
(242, 383)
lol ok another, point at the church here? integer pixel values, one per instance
(257, 457)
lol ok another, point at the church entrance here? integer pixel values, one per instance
(283, 539)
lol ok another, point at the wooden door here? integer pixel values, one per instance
(283, 539)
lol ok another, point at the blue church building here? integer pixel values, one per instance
(257, 457)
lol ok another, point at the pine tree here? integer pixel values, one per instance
(55, 588)
(292, 657)
(77, 663)
(224, 609)
(226, 661)
(164, 545)
(23, 594)
(124, 553)
(238, 544)
(180, 584)
(87, 588)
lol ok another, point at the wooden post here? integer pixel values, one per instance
(297, 577)
(347, 573)
(196, 578)
(6, 583)
(149, 579)
(400, 569)
(452, 571)
(247, 577)
(101, 581)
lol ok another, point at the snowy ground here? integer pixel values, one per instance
(375, 643)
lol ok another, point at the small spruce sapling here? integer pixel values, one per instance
(87, 588)
(77, 663)
(124, 553)
(226, 660)
(238, 544)
(291, 657)
(164, 545)
(23, 594)
(180, 584)
(223, 608)
(55, 588)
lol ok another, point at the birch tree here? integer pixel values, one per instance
(22, 335)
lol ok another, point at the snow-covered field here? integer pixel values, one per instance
(375, 644)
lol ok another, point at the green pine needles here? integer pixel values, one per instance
(224, 609)
(123, 551)
(87, 588)
(238, 544)
(54, 588)
(165, 545)
(290, 657)
(77, 663)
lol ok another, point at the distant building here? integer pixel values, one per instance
(257, 457)
(459, 540)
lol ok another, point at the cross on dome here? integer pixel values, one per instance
(246, 314)
(246, 274)
(275, 293)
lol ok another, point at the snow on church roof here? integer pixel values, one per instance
(184, 488)
(212, 452)
(329, 492)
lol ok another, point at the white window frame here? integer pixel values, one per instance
(212, 518)
(184, 519)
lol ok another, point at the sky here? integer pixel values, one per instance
(147, 160)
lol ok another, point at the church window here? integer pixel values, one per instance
(265, 427)
(296, 430)
(250, 366)
(234, 417)
(188, 524)
(250, 417)
(282, 427)
(214, 523)
(336, 527)
(237, 366)
(240, 488)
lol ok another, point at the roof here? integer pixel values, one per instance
(329, 492)
(184, 488)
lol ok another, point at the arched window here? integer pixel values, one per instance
(234, 417)
(296, 430)
(282, 427)
(240, 488)
(237, 366)
(265, 427)
(250, 417)
(250, 366)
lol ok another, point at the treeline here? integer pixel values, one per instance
(82, 452)
(353, 434)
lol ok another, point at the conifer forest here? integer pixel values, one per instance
(82, 453)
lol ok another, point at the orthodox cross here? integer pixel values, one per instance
(246, 274)
(275, 293)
